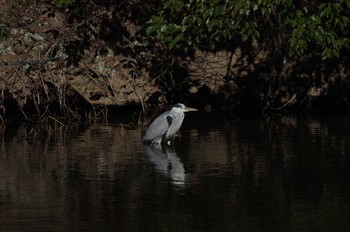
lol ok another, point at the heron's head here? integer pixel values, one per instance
(182, 108)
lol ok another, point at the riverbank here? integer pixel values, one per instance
(72, 60)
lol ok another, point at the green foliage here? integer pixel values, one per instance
(322, 28)
(64, 2)
(182, 24)
(326, 30)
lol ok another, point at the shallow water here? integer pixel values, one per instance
(272, 174)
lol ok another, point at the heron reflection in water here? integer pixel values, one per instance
(167, 162)
(165, 126)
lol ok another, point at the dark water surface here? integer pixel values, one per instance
(276, 174)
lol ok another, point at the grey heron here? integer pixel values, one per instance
(165, 126)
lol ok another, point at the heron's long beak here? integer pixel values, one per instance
(189, 109)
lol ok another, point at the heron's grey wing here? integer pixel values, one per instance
(158, 127)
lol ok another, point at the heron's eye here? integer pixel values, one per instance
(179, 105)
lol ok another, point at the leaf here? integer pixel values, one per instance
(293, 42)
(326, 53)
(347, 2)
(151, 29)
(176, 40)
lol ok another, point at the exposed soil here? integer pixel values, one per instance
(105, 59)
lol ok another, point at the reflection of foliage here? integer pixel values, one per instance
(307, 27)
